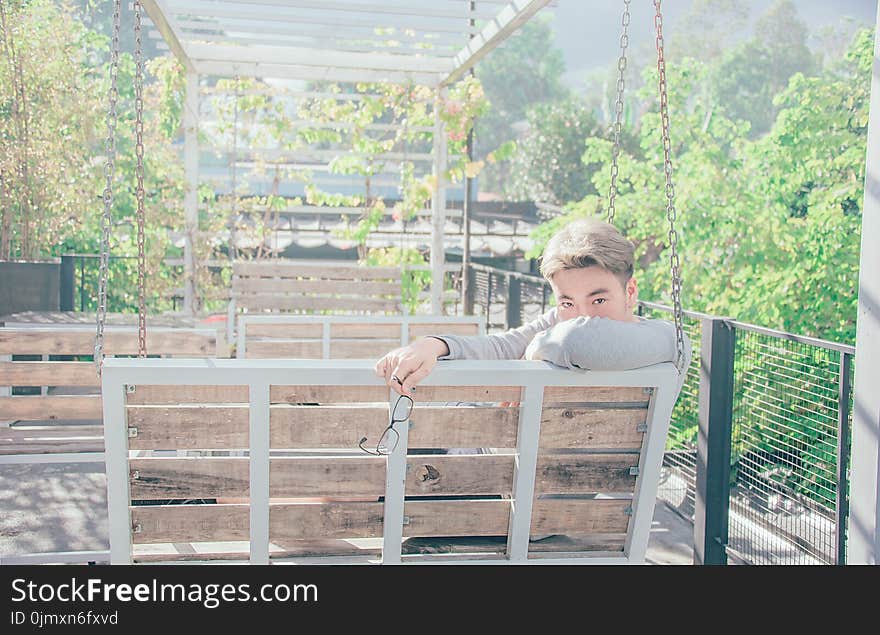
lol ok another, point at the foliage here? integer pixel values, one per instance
(547, 165)
(524, 71)
(749, 75)
(53, 109)
(413, 281)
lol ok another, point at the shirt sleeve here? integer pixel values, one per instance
(508, 345)
(598, 343)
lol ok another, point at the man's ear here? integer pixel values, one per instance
(632, 293)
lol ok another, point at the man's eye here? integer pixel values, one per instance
(599, 301)
(566, 305)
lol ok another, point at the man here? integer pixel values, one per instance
(589, 265)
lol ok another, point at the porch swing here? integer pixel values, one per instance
(597, 479)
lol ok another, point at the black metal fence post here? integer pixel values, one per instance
(470, 291)
(843, 431)
(68, 274)
(514, 302)
(712, 501)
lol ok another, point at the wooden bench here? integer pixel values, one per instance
(576, 455)
(313, 287)
(340, 337)
(60, 419)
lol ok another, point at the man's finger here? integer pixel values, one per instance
(414, 378)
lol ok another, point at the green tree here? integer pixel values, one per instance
(524, 71)
(749, 76)
(547, 165)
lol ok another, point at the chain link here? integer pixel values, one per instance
(674, 263)
(139, 171)
(109, 169)
(618, 109)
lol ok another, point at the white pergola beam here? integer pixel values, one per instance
(285, 71)
(158, 14)
(300, 56)
(508, 20)
(287, 14)
(394, 9)
(351, 45)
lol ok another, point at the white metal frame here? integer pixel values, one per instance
(260, 374)
(404, 320)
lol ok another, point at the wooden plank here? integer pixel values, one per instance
(261, 302)
(431, 427)
(585, 473)
(596, 394)
(50, 407)
(183, 394)
(579, 516)
(349, 476)
(284, 349)
(188, 478)
(51, 439)
(281, 269)
(189, 523)
(188, 427)
(463, 427)
(361, 349)
(300, 427)
(329, 394)
(339, 520)
(81, 341)
(439, 474)
(339, 330)
(49, 374)
(600, 545)
(301, 521)
(287, 286)
(455, 394)
(442, 328)
(289, 331)
(592, 428)
(456, 518)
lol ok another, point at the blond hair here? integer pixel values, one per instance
(587, 243)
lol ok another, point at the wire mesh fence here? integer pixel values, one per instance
(786, 439)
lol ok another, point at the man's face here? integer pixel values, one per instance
(591, 292)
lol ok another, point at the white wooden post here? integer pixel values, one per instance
(259, 472)
(863, 546)
(438, 208)
(190, 197)
(395, 489)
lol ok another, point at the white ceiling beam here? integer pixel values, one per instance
(300, 56)
(319, 30)
(351, 45)
(462, 13)
(508, 20)
(284, 71)
(158, 15)
(279, 14)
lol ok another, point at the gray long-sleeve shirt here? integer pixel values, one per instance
(582, 343)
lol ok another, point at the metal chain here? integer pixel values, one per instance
(139, 171)
(674, 263)
(109, 168)
(618, 109)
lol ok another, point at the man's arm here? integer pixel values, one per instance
(605, 344)
(404, 367)
(508, 345)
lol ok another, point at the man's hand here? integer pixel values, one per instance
(406, 366)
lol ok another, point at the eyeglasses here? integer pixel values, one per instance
(388, 441)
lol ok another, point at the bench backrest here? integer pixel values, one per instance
(62, 412)
(341, 337)
(577, 455)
